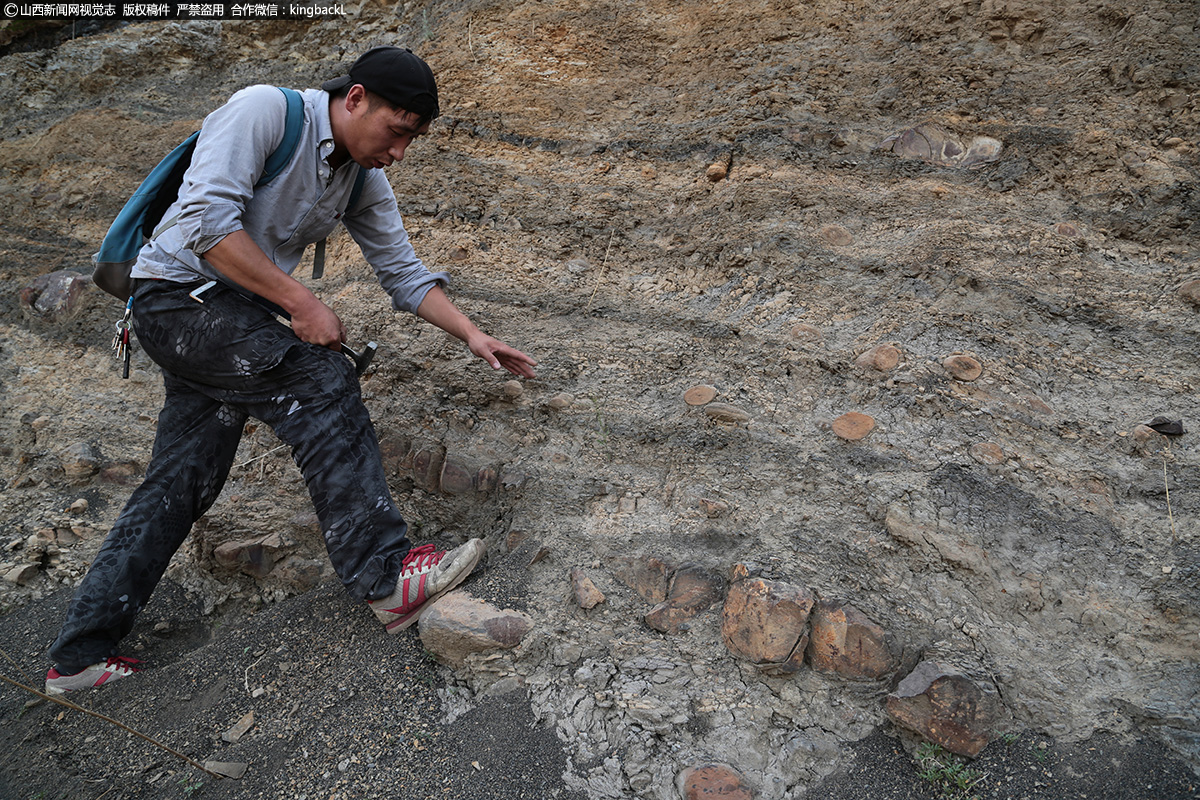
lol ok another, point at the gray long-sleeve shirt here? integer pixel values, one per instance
(301, 205)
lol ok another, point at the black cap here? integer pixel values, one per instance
(396, 75)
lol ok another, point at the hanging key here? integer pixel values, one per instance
(121, 339)
(120, 342)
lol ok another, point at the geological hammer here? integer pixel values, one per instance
(361, 360)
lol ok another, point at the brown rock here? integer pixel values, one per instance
(693, 590)
(513, 389)
(560, 401)
(1190, 292)
(586, 593)
(845, 641)
(836, 235)
(54, 295)
(712, 781)
(713, 508)
(457, 478)
(987, 453)
(724, 412)
(80, 506)
(427, 467)
(853, 426)
(883, 357)
(963, 368)
(80, 462)
(764, 622)
(716, 172)
(1066, 229)
(649, 577)
(458, 625)
(944, 707)
(699, 395)
(487, 479)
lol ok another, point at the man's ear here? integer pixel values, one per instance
(357, 96)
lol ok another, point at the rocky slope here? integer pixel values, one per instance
(808, 207)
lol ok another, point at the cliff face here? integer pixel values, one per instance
(971, 223)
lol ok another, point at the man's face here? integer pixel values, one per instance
(377, 136)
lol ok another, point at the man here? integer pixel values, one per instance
(225, 355)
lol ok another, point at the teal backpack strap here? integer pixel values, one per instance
(294, 122)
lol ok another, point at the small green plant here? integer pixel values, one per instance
(946, 772)
(1010, 739)
(190, 784)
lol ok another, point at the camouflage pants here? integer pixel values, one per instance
(222, 361)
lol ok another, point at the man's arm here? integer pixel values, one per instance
(238, 258)
(437, 309)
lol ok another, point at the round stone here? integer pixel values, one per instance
(560, 401)
(853, 426)
(712, 780)
(716, 172)
(963, 368)
(883, 357)
(836, 235)
(1066, 229)
(513, 389)
(987, 453)
(699, 395)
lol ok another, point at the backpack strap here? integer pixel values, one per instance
(356, 192)
(275, 163)
(319, 252)
(293, 124)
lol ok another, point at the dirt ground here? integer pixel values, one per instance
(651, 197)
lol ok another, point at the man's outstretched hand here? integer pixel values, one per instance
(498, 354)
(438, 309)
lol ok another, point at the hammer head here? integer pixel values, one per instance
(362, 360)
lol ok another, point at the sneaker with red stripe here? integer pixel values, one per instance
(96, 675)
(426, 575)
